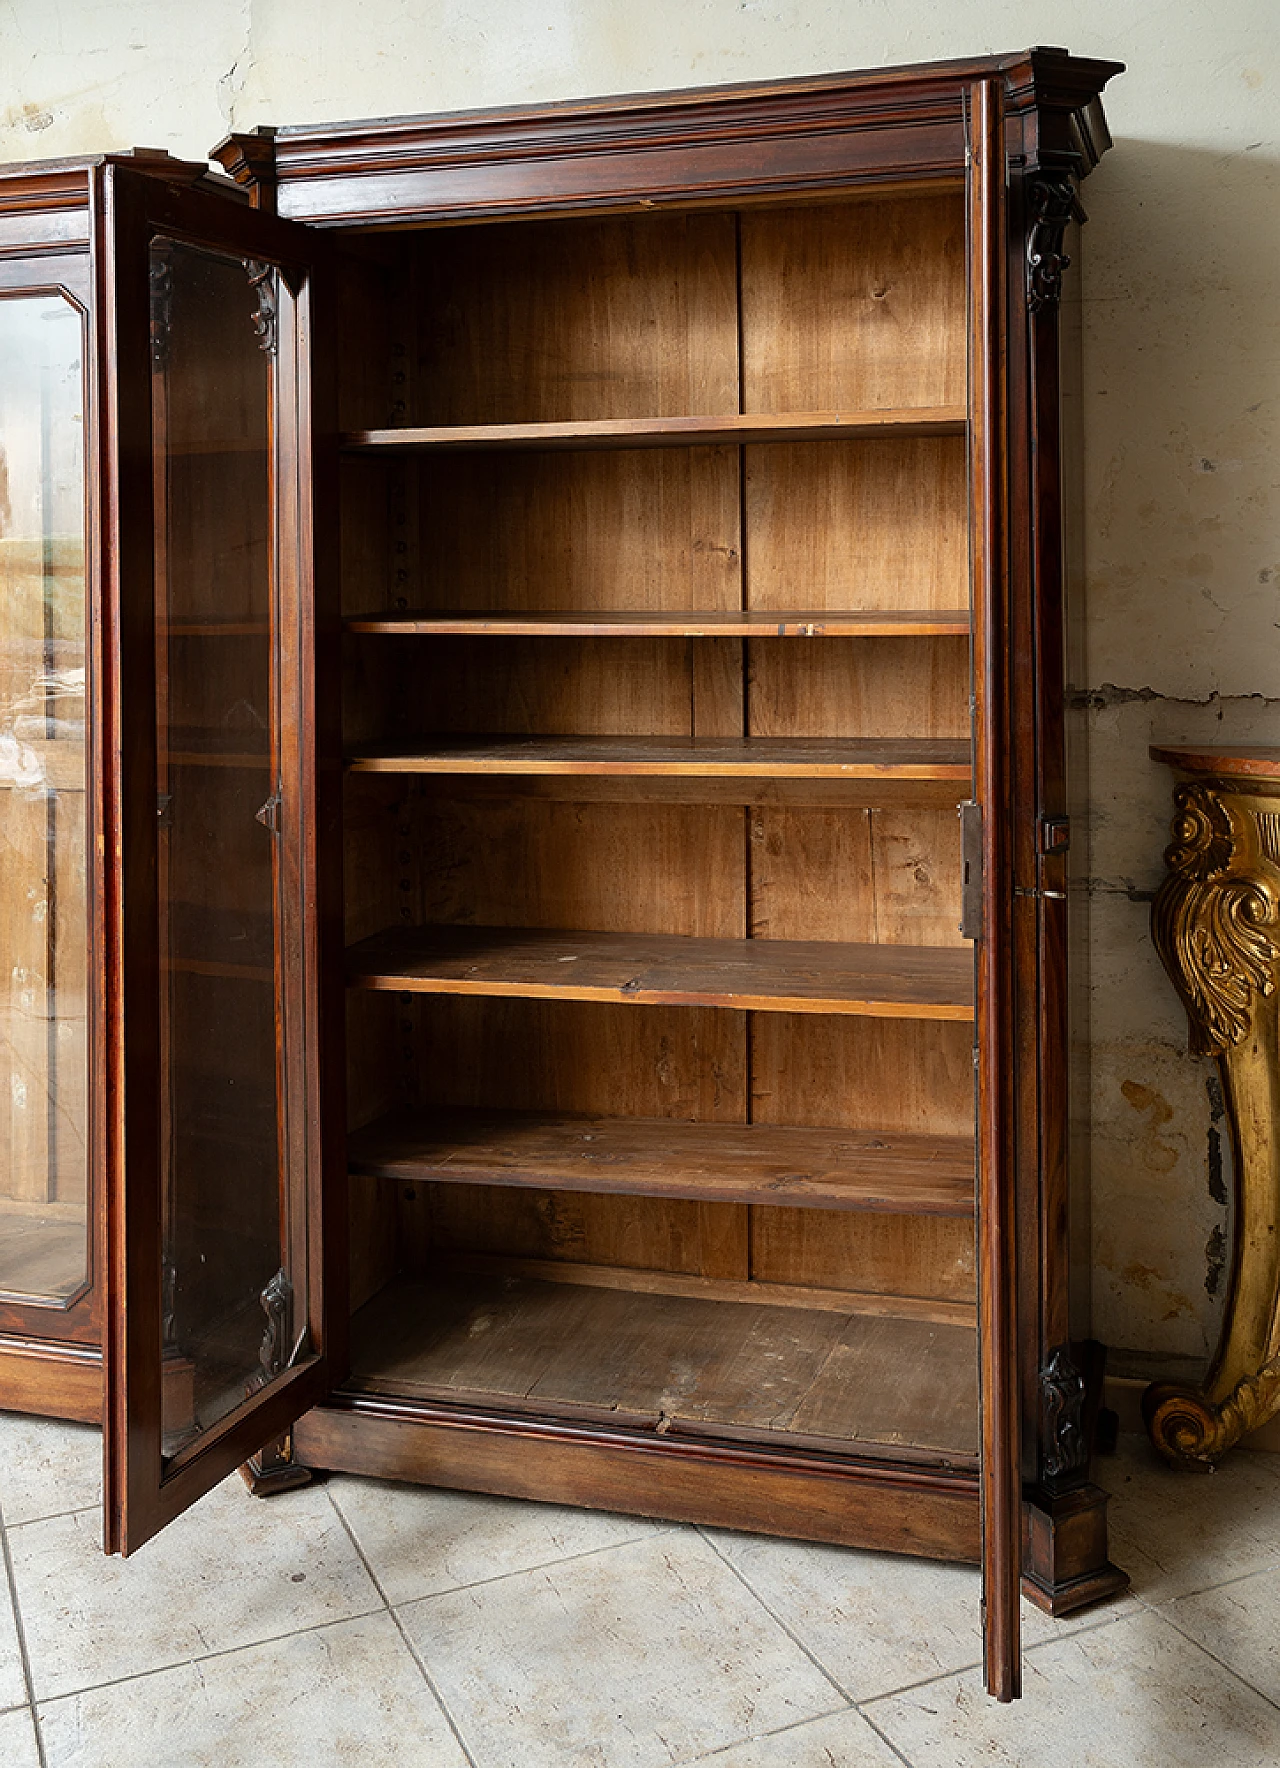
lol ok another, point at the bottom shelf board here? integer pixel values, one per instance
(44, 1249)
(877, 1385)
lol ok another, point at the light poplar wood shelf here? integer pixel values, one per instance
(764, 975)
(670, 623)
(833, 1377)
(712, 431)
(778, 758)
(660, 1157)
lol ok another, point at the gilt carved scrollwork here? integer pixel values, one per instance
(1194, 1432)
(1211, 926)
(1051, 202)
(1216, 925)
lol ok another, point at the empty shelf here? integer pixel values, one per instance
(878, 1385)
(667, 432)
(670, 623)
(770, 975)
(775, 758)
(662, 1157)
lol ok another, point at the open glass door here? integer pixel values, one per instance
(989, 897)
(214, 1291)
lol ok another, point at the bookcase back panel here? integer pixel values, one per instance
(854, 306)
(875, 524)
(636, 528)
(550, 686)
(882, 687)
(639, 868)
(568, 1056)
(832, 307)
(907, 1255)
(628, 316)
(884, 1074)
(576, 1228)
(869, 874)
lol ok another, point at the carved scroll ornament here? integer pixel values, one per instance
(1062, 1393)
(262, 280)
(1192, 1431)
(1210, 926)
(1052, 203)
(1216, 925)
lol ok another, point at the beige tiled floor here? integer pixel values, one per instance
(361, 1623)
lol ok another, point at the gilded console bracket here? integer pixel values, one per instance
(1216, 925)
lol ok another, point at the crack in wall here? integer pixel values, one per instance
(1099, 699)
(231, 84)
(1113, 887)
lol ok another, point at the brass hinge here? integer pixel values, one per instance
(971, 874)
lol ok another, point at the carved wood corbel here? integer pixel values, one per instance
(1051, 202)
(1216, 925)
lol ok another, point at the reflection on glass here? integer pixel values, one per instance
(43, 1057)
(220, 1121)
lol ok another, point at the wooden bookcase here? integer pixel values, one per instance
(542, 661)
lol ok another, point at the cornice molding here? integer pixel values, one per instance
(911, 120)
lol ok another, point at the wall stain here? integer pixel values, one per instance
(1159, 1155)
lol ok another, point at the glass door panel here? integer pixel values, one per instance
(213, 1153)
(229, 1284)
(43, 927)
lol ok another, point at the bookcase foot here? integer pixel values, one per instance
(1064, 1550)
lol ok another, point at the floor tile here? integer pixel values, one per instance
(13, 1684)
(844, 1740)
(650, 1653)
(1134, 1693)
(421, 1541)
(47, 1467)
(1178, 1532)
(877, 1621)
(18, 1740)
(1239, 1623)
(342, 1695)
(232, 1571)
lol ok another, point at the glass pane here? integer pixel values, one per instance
(220, 1120)
(43, 927)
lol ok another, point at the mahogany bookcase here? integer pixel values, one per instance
(570, 944)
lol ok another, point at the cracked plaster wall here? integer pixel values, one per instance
(1181, 326)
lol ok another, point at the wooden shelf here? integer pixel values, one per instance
(660, 1157)
(194, 747)
(207, 626)
(673, 623)
(670, 432)
(830, 1377)
(780, 758)
(765, 975)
